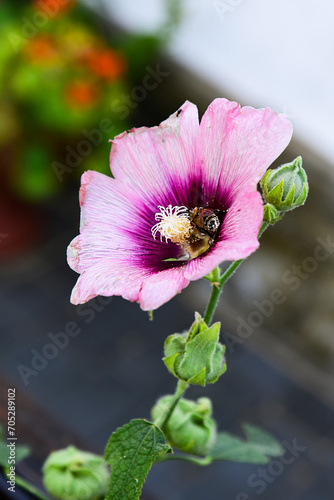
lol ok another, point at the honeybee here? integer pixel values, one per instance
(205, 224)
(204, 220)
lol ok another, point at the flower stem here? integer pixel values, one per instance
(215, 294)
(263, 227)
(218, 283)
(217, 278)
(162, 420)
(188, 458)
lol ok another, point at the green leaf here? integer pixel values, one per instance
(229, 447)
(258, 448)
(3, 455)
(263, 440)
(130, 452)
(21, 452)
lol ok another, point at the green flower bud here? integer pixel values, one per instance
(271, 214)
(286, 187)
(196, 357)
(71, 474)
(190, 427)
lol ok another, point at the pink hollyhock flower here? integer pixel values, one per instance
(183, 199)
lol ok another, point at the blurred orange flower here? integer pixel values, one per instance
(54, 7)
(41, 50)
(80, 94)
(106, 63)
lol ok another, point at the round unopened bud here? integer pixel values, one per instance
(71, 474)
(190, 428)
(271, 214)
(196, 357)
(286, 187)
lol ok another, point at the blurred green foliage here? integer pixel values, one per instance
(59, 77)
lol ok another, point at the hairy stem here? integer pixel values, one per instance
(219, 281)
(188, 458)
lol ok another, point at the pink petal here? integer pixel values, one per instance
(151, 159)
(239, 144)
(161, 287)
(132, 283)
(175, 163)
(240, 230)
(111, 215)
(114, 277)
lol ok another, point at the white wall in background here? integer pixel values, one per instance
(277, 53)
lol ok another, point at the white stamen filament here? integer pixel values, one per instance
(174, 224)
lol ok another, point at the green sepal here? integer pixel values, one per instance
(203, 349)
(196, 357)
(190, 427)
(169, 362)
(175, 344)
(199, 378)
(198, 326)
(214, 276)
(221, 372)
(271, 214)
(300, 200)
(289, 200)
(131, 451)
(276, 194)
